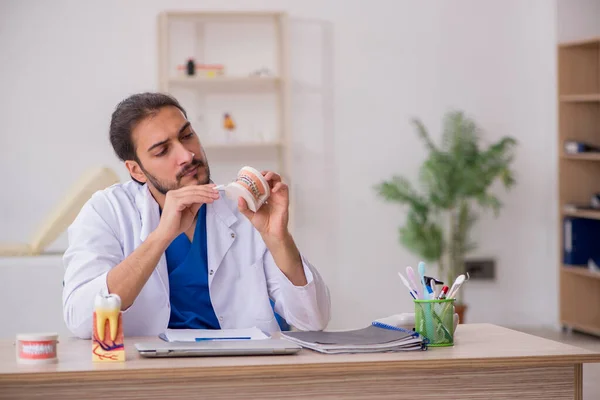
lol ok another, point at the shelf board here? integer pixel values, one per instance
(225, 81)
(595, 41)
(579, 98)
(222, 14)
(241, 145)
(582, 214)
(581, 271)
(582, 156)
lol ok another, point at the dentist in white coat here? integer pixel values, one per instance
(121, 239)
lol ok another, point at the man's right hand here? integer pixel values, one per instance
(180, 208)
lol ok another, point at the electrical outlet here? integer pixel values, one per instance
(481, 269)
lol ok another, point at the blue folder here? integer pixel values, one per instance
(581, 240)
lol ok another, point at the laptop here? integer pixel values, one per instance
(217, 348)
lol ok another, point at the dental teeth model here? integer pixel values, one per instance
(37, 348)
(107, 340)
(251, 186)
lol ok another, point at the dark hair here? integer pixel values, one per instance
(129, 113)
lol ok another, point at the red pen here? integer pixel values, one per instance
(443, 293)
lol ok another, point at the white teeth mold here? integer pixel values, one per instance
(249, 185)
(37, 348)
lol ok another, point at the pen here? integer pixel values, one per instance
(199, 339)
(429, 292)
(442, 294)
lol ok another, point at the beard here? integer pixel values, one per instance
(164, 186)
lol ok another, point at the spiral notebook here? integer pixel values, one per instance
(375, 338)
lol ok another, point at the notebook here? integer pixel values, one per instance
(373, 339)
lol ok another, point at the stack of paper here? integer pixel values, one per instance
(197, 335)
(371, 339)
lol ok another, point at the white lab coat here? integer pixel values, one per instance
(242, 272)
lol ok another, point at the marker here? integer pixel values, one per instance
(443, 293)
(430, 292)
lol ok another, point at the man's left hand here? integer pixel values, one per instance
(270, 220)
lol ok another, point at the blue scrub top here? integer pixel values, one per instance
(187, 263)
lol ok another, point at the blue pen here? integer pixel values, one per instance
(199, 339)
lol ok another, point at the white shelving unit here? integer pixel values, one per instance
(242, 42)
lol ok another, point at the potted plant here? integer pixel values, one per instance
(454, 181)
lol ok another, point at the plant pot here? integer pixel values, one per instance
(461, 310)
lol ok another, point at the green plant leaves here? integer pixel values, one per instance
(422, 236)
(455, 176)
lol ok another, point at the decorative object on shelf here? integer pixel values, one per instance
(191, 68)
(593, 205)
(455, 177)
(211, 70)
(576, 147)
(262, 72)
(229, 126)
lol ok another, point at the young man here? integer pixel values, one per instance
(177, 251)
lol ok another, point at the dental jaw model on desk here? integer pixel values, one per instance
(107, 339)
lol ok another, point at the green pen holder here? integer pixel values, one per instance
(434, 319)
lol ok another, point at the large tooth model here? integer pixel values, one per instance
(107, 340)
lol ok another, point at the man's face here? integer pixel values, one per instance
(169, 152)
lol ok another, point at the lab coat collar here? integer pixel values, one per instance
(149, 211)
(220, 236)
(149, 219)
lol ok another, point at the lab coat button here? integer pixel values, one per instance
(232, 234)
(211, 271)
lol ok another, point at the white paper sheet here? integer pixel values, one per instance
(193, 335)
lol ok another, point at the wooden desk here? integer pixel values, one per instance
(487, 362)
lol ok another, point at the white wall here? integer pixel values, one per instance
(66, 64)
(33, 285)
(577, 19)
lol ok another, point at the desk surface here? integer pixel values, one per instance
(487, 361)
(477, 345)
